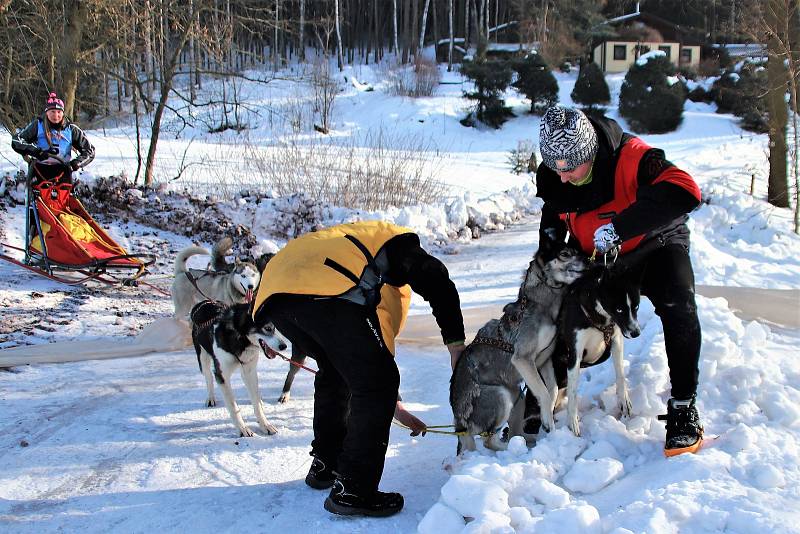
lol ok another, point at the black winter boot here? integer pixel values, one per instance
(684, 432)
(320, 476)
(346, 499)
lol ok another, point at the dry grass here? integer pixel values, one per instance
(373, 172)
(422, 81)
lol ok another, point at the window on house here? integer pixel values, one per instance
(620, 52)
(667, 50)
(686, 55)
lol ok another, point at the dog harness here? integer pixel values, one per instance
(203, 316)
(494, 342)
(597, 322)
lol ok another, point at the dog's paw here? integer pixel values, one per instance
(625, 407)
(210, 403)
(269, 429)
(246, 433)
(284, 397)
(575, 426)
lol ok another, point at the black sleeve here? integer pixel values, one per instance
(409, 264)
(551, 226)
(82, 145)
(656, 204)
(24, 141)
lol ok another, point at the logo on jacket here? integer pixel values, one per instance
(375, 332)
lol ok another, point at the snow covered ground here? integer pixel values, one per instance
(127, 445)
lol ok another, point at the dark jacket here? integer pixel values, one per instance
(26, 141)
(664, 193)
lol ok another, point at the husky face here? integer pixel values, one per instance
(620, 300)
(559, 262)
(245, 279)
(269, 339)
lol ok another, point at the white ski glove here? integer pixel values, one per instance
(606, 238)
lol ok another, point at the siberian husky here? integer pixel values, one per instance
(225, 340)
(598, 310)
(485, 387)
(553, 268)
(230, 286)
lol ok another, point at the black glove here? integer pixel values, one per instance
(41, 154)
(74, 164)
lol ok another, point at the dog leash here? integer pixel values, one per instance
(296, 364)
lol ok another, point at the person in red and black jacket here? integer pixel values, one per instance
(610, 190)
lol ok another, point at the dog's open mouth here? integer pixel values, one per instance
(268, 352)
(248, 296)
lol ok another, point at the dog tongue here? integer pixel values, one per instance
(249, 295)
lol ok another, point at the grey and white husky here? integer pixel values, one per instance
(484, 390)
(553, 268)
(230, 286)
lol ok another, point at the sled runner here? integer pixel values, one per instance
(60, 235)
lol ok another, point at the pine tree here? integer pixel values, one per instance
(652, 98)
(591, 89)
(491, 79)
(536, 82)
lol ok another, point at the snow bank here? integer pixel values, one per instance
(616, 470)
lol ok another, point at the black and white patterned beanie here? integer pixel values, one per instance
(566, 138)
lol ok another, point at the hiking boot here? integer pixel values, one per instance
(320, 476)
(684, 432)
(346, 499)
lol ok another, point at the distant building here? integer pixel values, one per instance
(640, 33)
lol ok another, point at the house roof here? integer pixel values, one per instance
(686, 35)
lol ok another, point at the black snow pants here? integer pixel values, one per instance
(668, 281)
(356, 388)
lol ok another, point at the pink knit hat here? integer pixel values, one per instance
(53, 102)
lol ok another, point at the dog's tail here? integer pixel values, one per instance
(185, 254)
(218, 253)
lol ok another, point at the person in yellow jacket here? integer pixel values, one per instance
(341, 295)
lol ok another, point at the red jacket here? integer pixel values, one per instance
(633, 186)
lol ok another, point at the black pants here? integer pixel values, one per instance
(355, 390)
(668, 281)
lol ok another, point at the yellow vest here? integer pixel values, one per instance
(299, 269)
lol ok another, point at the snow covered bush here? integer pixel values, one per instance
(591, 89)
(652, 97)
(420, 81)
(523, 158)
(742, 93)
(536, 82)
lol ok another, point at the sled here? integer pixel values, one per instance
(62, 241)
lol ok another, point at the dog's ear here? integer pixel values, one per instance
(263, 260)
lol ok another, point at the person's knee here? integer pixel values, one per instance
(675, 302)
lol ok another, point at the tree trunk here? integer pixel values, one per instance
(339, 59)
(69, 49)
(452, 38)
(301, 51)
(777, 187)
(424, 24)
(394, 27)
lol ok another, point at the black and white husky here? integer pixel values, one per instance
(229, 285)
(226, 340)
(598, 310)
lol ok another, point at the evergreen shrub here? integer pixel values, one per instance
(491, 79)
(591, 89)
(536, 82)
(652, 97)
